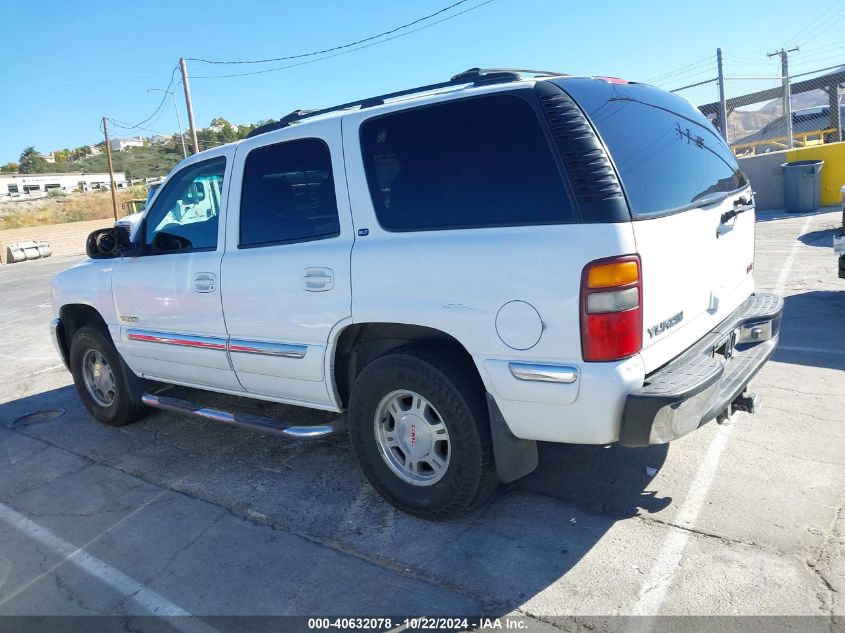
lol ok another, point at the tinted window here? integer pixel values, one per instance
(667, 153)
(468, 163)
(186, 214)
(288, 194)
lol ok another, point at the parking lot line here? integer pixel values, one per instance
(141, 595)
(653, 591)
(793, 251)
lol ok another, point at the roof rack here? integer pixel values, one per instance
(473, 76)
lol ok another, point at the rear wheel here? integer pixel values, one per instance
(98, 376)
(418, 423)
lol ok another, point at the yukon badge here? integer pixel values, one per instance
(661, 327)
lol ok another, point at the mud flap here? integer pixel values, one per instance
(514, 457)
(134, 383)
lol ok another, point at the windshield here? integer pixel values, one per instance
(669, 156)
(151, 189)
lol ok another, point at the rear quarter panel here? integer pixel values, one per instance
(457, 280)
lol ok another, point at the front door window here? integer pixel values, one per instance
(186, 213)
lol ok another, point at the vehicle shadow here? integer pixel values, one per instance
(780, 214)
(811, 333)
(822, 238)
(524, 541)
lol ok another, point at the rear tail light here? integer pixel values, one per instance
(611, 308)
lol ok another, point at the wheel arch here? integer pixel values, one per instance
(358, 344)
(75, 316)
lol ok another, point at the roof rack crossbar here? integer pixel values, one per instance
(474, 76)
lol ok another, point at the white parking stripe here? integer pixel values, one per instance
(46, 369)
(787, 264)
(144, 597)
(653, 591)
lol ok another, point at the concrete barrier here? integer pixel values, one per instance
(64, 239)
(766, 176)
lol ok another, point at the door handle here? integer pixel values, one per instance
(205, 282)
(317, 279)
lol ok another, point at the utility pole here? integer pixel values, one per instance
(787, 96)
(188, 104)
(111, 167)
(723, 110)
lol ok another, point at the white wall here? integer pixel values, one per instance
(67, 182)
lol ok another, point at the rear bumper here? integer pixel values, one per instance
(703, 382)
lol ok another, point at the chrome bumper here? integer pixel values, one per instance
(704, 381)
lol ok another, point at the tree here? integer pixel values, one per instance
(228, 134)
(9, 168)
(219, 122)
(31, 162)
(207, 138)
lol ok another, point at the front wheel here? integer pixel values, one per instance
(98, 376)
(419, 426)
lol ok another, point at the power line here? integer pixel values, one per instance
(819, 22)
(704, 75)
(809, 24)
(333, 48)
(345, 52)
(127, 126)
(696, 64)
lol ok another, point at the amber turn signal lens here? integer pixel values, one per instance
(613, 274)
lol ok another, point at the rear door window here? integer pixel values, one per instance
(668, 155)
(288, 194)
(461, 164)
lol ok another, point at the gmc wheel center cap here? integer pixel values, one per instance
(414, 435)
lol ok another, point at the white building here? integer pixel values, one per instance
(121, 144)
(24, 186)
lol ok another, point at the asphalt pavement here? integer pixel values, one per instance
(174, 516)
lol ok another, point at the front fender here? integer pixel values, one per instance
(88, 283)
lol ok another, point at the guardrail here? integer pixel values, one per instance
(800, 139)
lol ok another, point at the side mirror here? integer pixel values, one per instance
(102, 244)
(109, 243)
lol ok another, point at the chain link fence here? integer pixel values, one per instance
(755, 106)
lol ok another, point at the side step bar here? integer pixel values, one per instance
(243, 420)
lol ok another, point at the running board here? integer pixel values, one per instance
(243, 420)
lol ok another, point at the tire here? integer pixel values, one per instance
(114, 407)
(455, 400)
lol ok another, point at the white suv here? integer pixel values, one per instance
(463, 269)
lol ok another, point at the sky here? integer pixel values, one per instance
(67, 64)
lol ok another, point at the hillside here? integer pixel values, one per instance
(156, 158)
(743, 122)
(151, 161)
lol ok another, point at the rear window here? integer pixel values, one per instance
(469, 163)
(668, 155)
